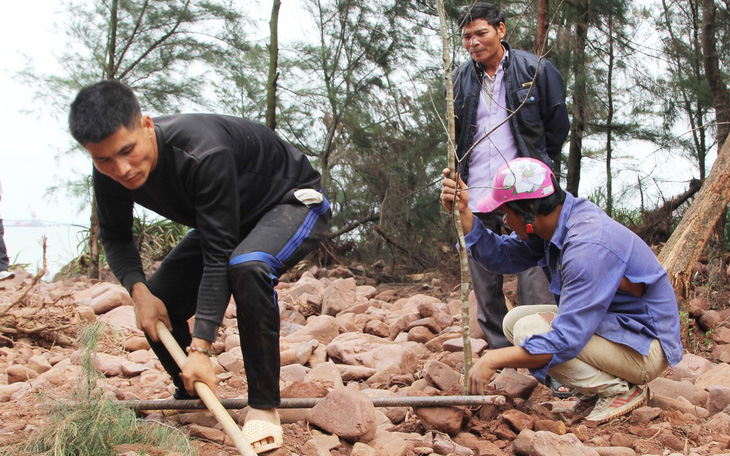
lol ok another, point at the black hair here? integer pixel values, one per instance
(480, 10)
(528, 209)
(100, 109)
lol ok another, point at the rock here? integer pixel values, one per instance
(130, 369)
(615, 451)
(718, 424)
(324, 328)
(691, 367)
(718, 398)
(305, 389)
(86, 313)
(338, 296)
(206, 433)
(366, 291)
(39, 364)
(517, 420)
(643, 415)
(663, 402)
(514, 384)
(718, 375)
(523, 442)
(388, 444)
(320, 445)
(709, 320)
(556, 427)
(112, 298)
(476, 330)
(361, 449)
(721, 335)
(478, 346)
(444, 445)
(134, 343)
(443, 377)
(350, 373)
(670, 440)
(443, 419)
(377, 328)
(8, 391)
(371, 351)
(670, 388)
(122, 318)
(549, 444)
(420, 334)
(293, 372)
(326, 374)
(347, 413)
(109, 365)
(394, 414)
(232, 361)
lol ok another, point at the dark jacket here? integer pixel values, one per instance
(539, 127)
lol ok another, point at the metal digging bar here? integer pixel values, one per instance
(398, 401)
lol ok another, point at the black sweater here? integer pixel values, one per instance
(214, 173)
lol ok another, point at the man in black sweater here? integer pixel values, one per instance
(255, 206)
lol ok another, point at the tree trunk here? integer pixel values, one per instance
(453, 171)
(542, 26)
(686, 244)
(273, 66)
(609, 121)
(716, 244)
(712, 72)
(577, 127)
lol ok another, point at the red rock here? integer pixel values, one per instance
(347, 413)
(615, 451)
(377, 328)
(663, 402)
(670, 388)
(388, 444)
(514, 384)
(718, 399)
(691, 367)
(371, 351)
(134, 343)
(621, 440)
(232, 360)
(206, 433)
(420, 334)
(523, 442)
(517, 420)
(643, 415)
(556, 427)
(443, 419)
(718, 375)
(8, 391)
(549, 444)
(326, 373)
(39, 364)
(670, 440)
(324, 328)
(338, 296)
(709, 320)
(112, 298)
(443, 377)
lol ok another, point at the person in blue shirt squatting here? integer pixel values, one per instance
(616, 325)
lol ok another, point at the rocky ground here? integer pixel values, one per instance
(347, 339)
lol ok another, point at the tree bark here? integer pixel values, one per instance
(609, 121)
(453, 171)
(542, 26)
(273, 66)
(577, 126)
(719, 88)
(686, 244)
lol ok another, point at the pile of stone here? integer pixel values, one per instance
(346, 343)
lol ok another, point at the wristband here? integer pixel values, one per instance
(204, 351)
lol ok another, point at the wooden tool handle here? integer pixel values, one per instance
(229, 426)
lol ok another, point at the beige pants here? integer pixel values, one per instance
(602, 368)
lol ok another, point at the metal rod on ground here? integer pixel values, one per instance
(397, 401)
(206, 395)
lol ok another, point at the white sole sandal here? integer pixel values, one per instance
(258, 430)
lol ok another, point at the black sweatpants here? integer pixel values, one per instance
(281, 239)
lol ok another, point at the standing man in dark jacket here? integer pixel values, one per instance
(508, 104)
(256, 208)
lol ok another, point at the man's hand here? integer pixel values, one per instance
(148, 310)
(198, 368)
(481, 374)
(449, 194)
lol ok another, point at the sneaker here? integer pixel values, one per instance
(610, 407)
(6, 275)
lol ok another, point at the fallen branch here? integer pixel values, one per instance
(33, 283)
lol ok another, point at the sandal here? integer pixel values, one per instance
(258, 431)
(556, 387)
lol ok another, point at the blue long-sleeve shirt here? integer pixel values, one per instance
(585, 260)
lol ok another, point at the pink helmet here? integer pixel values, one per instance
(521, 178)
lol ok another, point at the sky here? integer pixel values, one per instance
(34, 137)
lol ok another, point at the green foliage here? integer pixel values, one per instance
(92, 424)
(156, 238)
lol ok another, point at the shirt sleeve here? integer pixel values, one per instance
(114, 208)
(217, 215)
(500, 253)
(589, 276)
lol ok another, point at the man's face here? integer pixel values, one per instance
(128, 155)
(514, 222)
(483, 42)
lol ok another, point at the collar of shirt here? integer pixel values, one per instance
(562, 229)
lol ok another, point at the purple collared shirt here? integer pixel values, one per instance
(585, 260)
(499, 146)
